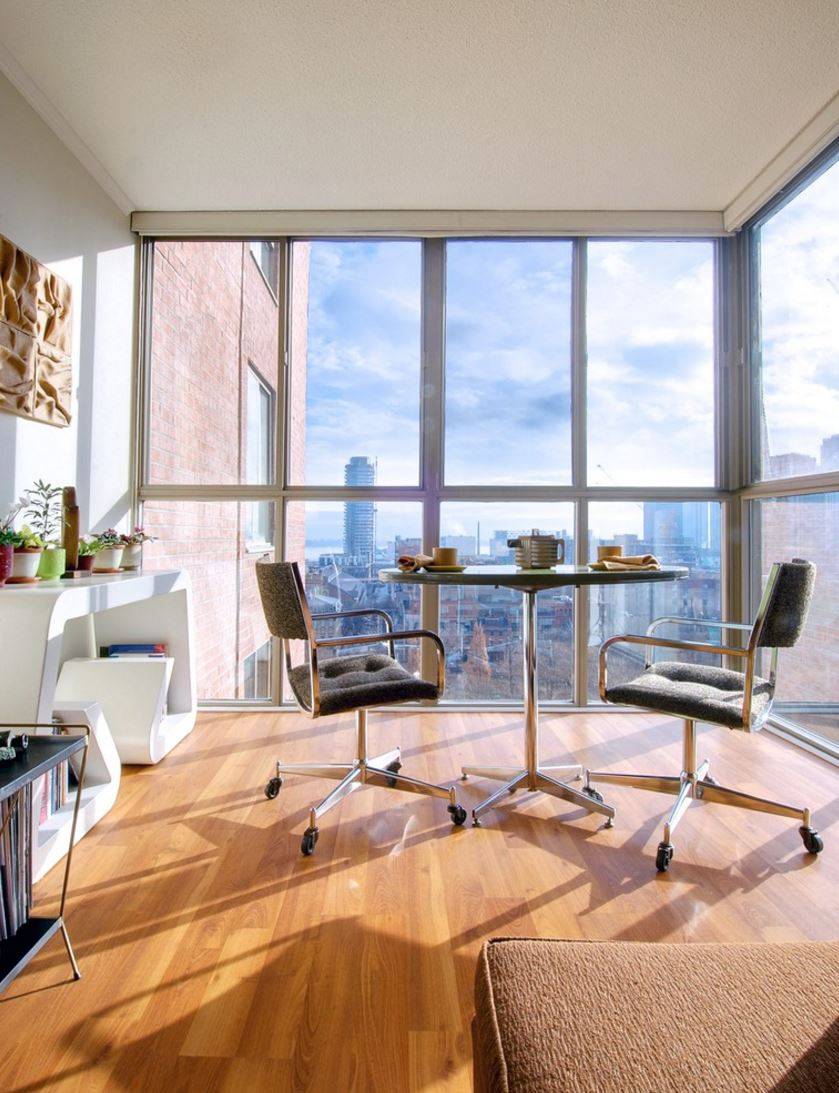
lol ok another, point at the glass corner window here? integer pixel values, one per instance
(796, 319)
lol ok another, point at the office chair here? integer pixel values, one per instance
(699, 692)
(345, 683)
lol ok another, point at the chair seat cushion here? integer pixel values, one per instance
(700, 691)
(619, 1017)
(351, 683)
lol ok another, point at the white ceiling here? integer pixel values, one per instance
(422, 104)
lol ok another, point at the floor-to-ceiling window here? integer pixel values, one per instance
(793, 502)
(408, 392)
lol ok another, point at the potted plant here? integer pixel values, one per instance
(88, 549)
(133, 556)
(43, 510)
(7, 544)
(29, 548)
(109, 549)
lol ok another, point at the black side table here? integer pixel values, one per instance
(43, 753)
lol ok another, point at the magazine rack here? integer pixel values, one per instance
(43, 753)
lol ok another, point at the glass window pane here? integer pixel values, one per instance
(355, 352)
(799, 333)
(808, 674)
(209, 540)
(679, 533)
(481, 626)
(508, 362)
(340, 548)
(650, 336)
(212, 316)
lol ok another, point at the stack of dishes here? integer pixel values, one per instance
(537, 551)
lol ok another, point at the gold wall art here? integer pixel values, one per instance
(36, 374)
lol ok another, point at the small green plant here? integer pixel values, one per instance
(88, 547)
(27, 539)
(43, 509)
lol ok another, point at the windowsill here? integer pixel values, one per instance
(258, 546)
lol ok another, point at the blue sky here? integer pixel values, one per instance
(508, 372)
(799, 249)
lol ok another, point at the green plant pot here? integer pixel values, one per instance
(53, 563)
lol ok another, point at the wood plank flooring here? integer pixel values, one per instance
(215, 957)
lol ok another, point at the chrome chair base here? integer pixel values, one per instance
(380, 770)
(696, 784)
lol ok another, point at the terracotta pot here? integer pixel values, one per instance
(7, 560)
(107, 559)
(86, 562)
(133, 556)
(53, 563)
(26, 562)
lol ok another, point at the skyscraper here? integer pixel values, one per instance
(360, 516)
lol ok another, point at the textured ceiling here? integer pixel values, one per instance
(420, 104)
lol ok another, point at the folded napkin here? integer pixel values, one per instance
(629, 561)
(410, 563)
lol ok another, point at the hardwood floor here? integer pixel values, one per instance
(215, 957)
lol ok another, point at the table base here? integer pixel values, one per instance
(534, 777)
(552, 780)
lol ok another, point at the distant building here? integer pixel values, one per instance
(360, 516)
(830, 453)
(790, 464)
(464, 544)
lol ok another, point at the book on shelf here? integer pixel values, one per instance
(134, 649)
(15, 864)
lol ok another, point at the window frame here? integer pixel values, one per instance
(755, 487)
(257, 544)
(431, 490)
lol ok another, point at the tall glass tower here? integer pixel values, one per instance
(359, 516)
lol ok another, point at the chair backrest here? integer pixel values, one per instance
(283, 599)
(785, 604)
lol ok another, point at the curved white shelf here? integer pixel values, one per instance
(57, 622)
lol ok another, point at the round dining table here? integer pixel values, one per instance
(529, 582)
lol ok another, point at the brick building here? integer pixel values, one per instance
(215, 378)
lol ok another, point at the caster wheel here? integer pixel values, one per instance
(458, 815)
(591, 792)
(664, 856)
(309, 841)
(813, 842)
(273, 787)
(395, 767)
(464, 777)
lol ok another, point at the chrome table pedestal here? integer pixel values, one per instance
(552, 780)
(533, 777)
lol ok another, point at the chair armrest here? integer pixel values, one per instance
(358, 612)
(715, 624)
(398, 635)
(662, 643)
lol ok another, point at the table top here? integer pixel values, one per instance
(510, 576)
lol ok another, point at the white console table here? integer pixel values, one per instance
(61, 624)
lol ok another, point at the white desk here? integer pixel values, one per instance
(45, 626)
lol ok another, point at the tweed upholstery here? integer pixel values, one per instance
(638, 1017)
(354, 682)
(280, 599)
(698, 691)
(790, 603)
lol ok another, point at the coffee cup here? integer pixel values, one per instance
(444, 555)
(608, 551)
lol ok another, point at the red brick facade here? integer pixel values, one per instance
(214, 316)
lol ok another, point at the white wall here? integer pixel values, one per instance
(52, 208)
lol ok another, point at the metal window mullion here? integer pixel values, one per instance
(432, 415)
(579, 461)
